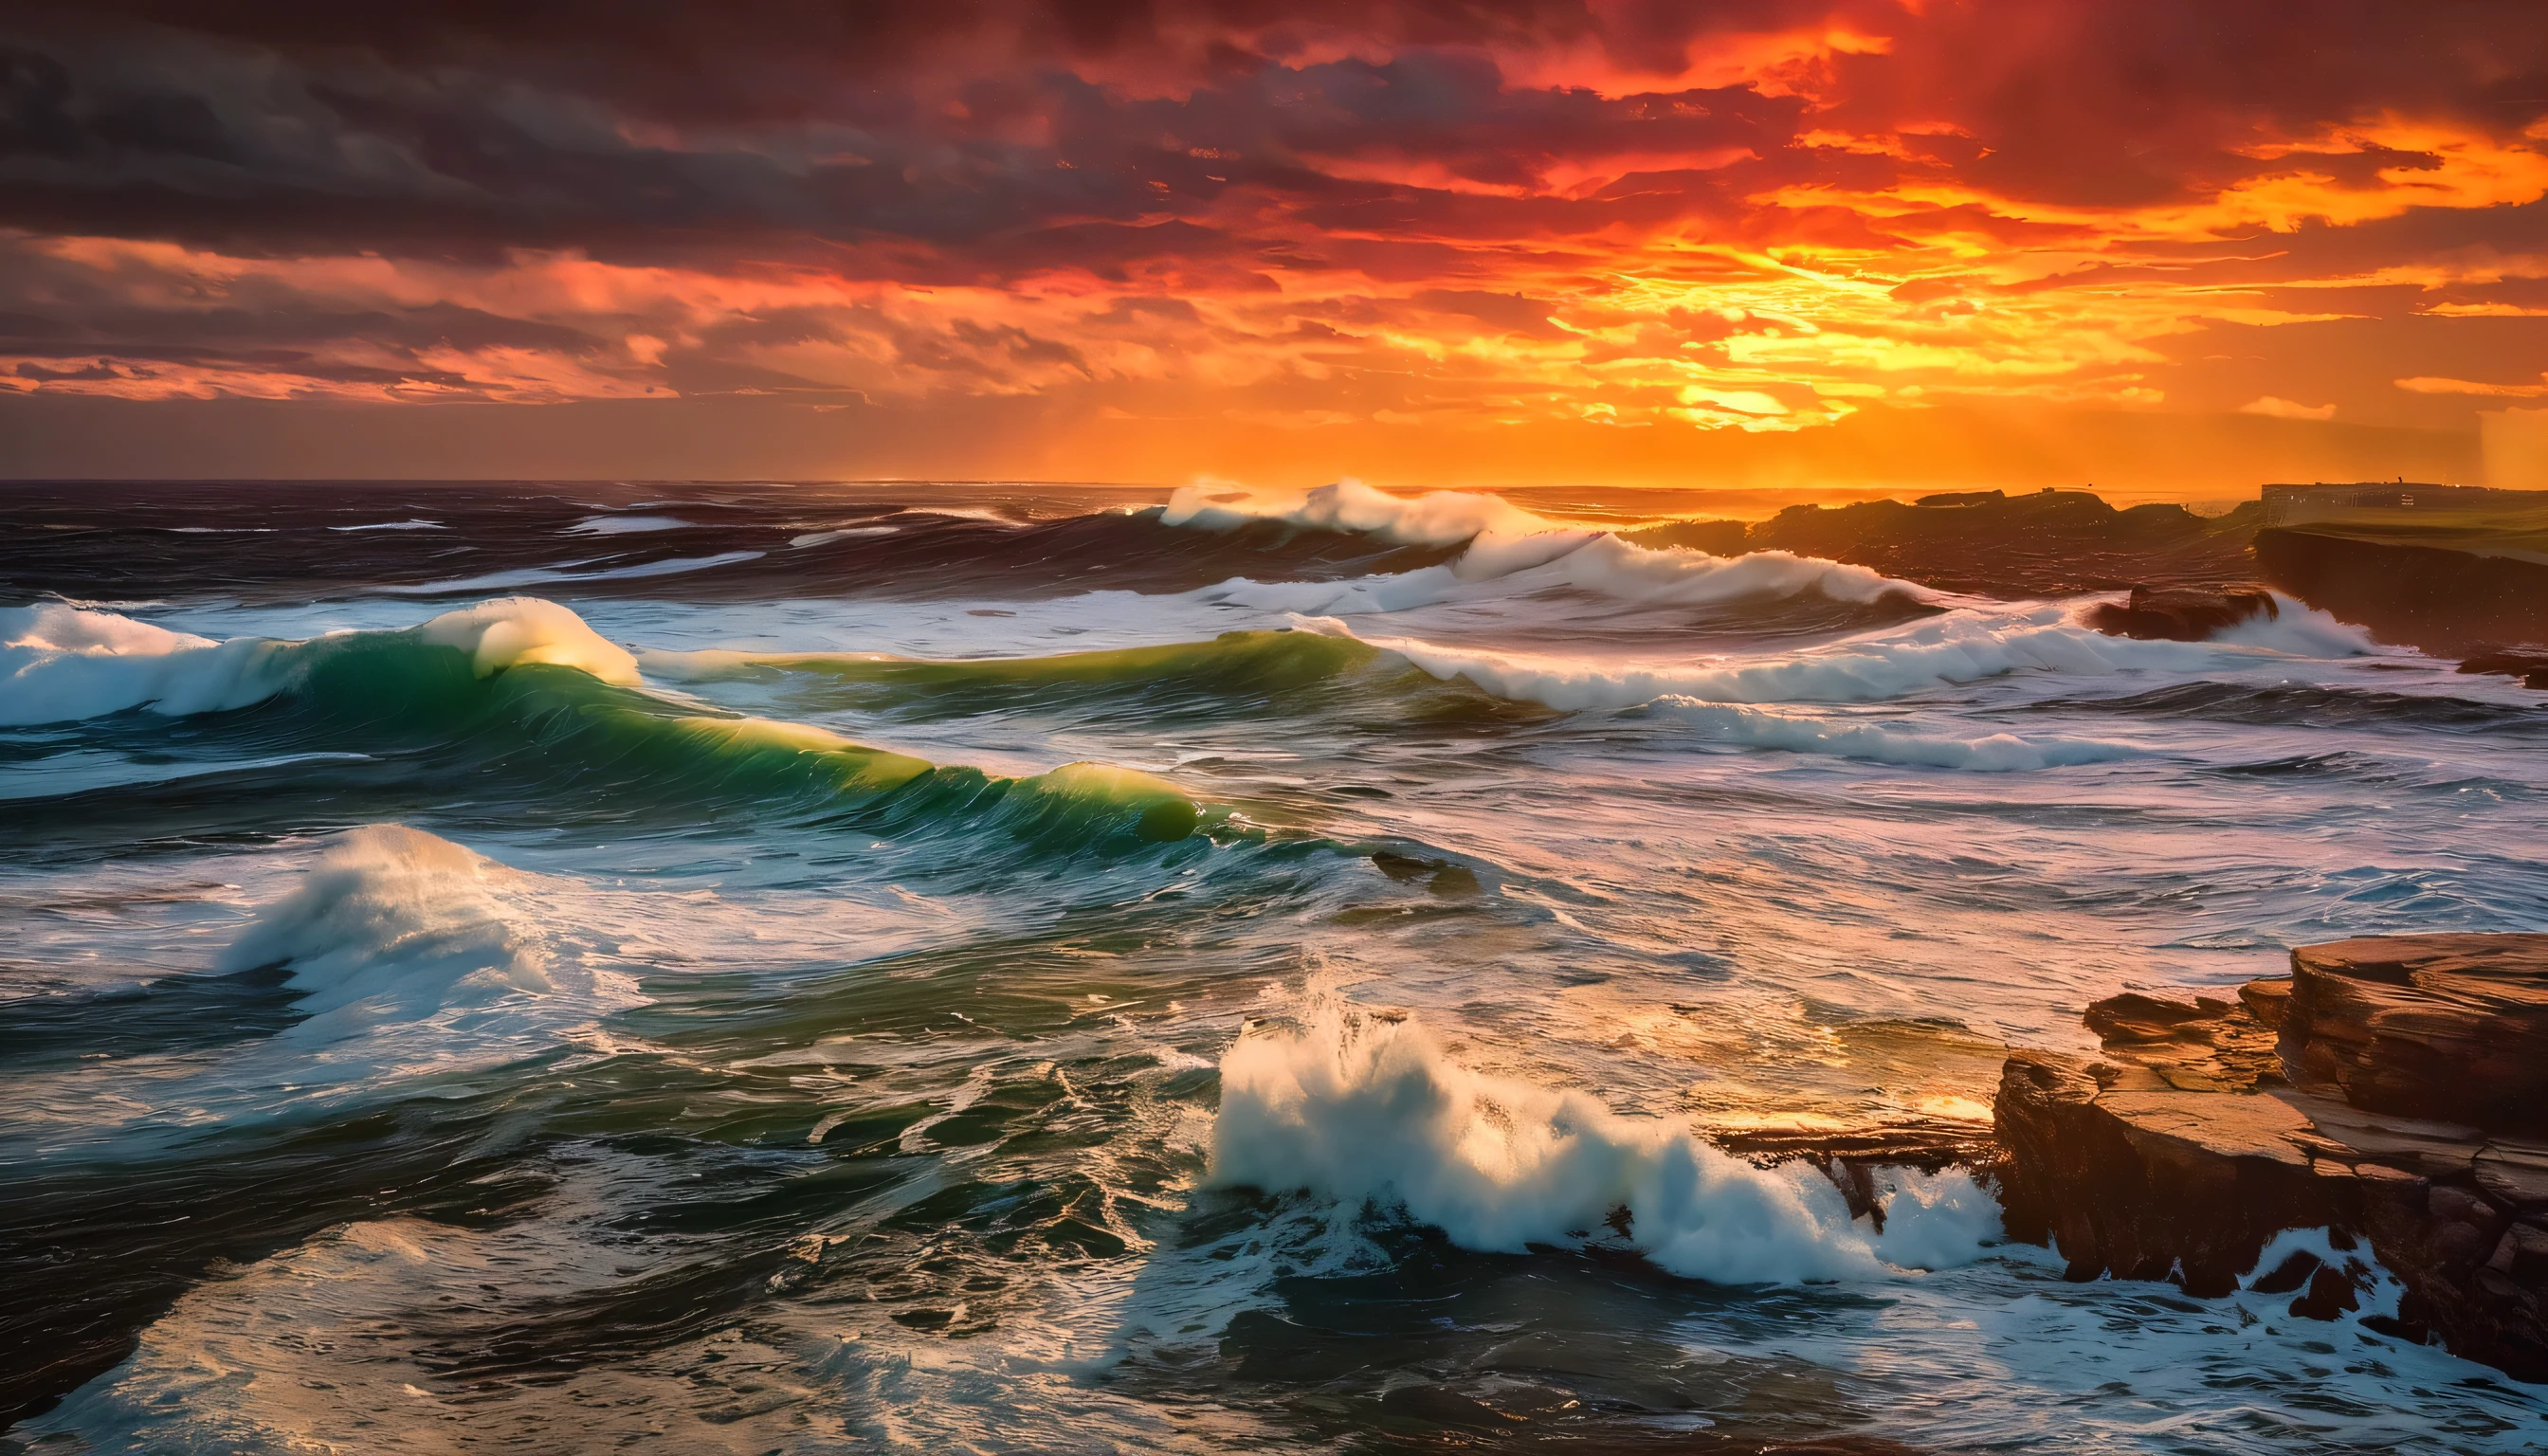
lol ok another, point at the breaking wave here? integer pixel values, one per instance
(1959, 647)
(1366, 1109)
(393, 923)
(65, 663)
(1234, 668)
(523, 687)
(1886, 743)
(1508, 551)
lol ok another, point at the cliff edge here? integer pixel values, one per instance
(2389, 1090)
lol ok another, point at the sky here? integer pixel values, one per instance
(2166, 246)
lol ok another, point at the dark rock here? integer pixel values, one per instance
(2180, 613)
(2398, 1328)
(1715, 537)
(2444, 601)
(2530, 667)
(1927, 1144)
(2453, 1027)
(1963, 497)
(2513, 1174)
(2052, 543)
(2287, 1276)
(2329, 1294)
(2129, 1182)
(2185, 1150)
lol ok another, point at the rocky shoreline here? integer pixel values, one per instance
(2392, 1091)
(2444, 601)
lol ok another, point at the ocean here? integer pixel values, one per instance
(1049, 968)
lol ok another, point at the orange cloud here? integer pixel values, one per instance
(1763, 218)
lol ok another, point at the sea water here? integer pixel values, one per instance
(1022, 968)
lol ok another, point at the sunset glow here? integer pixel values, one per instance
(1375, 234)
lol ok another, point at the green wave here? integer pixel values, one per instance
(1261, 664)
(1256, 673)
(539, 728)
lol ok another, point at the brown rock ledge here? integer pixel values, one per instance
(2391, 1091)
(2180, 613)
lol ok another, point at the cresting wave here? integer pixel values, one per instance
(391, 922)
(1284, 670)
(1368, 1109)
(1280, 668)
(1274, 667)
(1959, 647)
(1508, 551)
(491, 680)
(65, 662)
(1883, 743)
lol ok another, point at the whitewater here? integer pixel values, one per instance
(1039, 968)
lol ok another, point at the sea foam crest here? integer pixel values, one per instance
(1886, 743)
(1512, 548)
(1434, 518)
(526, 629)
(60, 662)
(1963, 646)
(391, 922)
(1363, 1108)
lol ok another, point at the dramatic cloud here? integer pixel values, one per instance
(1757, 216)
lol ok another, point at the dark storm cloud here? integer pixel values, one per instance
(662, 129)
(1627, 205)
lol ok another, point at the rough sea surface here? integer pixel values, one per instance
(1047, 970)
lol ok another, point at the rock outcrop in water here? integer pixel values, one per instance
(2052, 543)
(2432, 596)
(2180, 613)
(2389, 1090)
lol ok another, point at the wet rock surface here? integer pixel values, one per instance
(2389, 1091)
(2180, 613)
(2442, 601)
(2448, 1026)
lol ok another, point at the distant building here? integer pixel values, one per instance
(2292, 504)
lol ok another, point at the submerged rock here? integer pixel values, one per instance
(2180, 613)
(2389, 1092)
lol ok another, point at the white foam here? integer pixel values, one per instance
(1603, 565)
(1362, 1109)
(525, 629)
(536, 575)
(1672, 577)
(391, 922)
(1519, 551)
(417, 523)
(624, 525)
(2300, 630)
(1353, 597)
(61, 663)
(1955, 648)
(1885, 742)
(817, 538)
(1435, 519)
